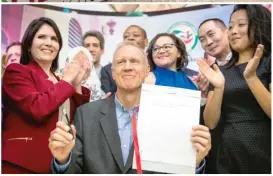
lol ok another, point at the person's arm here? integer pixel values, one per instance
(68, 154)
(212, 110)
(20, 88)
(60, 169)
(201, 168)
(262, 95)
(82, 98)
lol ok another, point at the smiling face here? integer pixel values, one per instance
(213, 38)
(14, 54)
(136, 35)
(165, 53)
(45, 46)
(130, 67)
(92, 43)
(238, 31)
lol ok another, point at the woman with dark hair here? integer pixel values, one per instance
(35, 98)
(239, 99)
(168, 57)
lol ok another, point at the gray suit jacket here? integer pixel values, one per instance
(98, 148)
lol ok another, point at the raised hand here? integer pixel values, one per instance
(202, 84)
(214, 75)
(250, 70)
(82, 60)
(201, 141)
(70, 72)
(61, 142)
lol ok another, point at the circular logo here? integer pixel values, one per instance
(186, 32)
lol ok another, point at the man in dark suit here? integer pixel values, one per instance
(133, 33)
(103, 140)
(107, 82)
(213, 36)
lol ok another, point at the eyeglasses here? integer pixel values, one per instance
(165, 47)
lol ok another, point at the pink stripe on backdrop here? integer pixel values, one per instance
(12, 20)
(30, 13)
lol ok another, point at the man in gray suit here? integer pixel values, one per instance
(103, 140)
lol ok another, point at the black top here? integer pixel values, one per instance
(245, 144)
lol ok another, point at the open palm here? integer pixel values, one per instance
(214, 76)
(252, 65)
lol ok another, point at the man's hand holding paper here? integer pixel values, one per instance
(201, 141)
(169, 135)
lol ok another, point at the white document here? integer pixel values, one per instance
(164, 126)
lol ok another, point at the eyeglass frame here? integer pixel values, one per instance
(162, 47)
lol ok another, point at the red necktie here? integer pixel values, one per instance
(136, 147)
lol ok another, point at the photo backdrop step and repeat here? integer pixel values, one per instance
(15, 19)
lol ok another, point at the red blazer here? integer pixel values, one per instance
(31, 109)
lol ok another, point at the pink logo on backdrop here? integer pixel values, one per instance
(111, 25)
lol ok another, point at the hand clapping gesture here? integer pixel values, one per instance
(78, 70)
(214, 75)
(250, 70)
(202, 84)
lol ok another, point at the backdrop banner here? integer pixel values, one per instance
(16, 18)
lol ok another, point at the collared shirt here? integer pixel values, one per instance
(226, 59)
(98, 70)
(124, 121)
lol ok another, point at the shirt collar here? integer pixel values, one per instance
(228, 57)
(120, 108)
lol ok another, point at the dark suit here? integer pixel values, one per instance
(107, 82)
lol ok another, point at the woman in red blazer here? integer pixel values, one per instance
(32, 95)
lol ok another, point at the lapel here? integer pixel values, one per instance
(110, 129)
(129, 162)
(35, 66)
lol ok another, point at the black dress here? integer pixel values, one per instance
(245, 145)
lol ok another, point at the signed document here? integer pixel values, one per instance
(164, 126)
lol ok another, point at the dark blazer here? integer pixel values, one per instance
(31, 109)
(107, 82)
